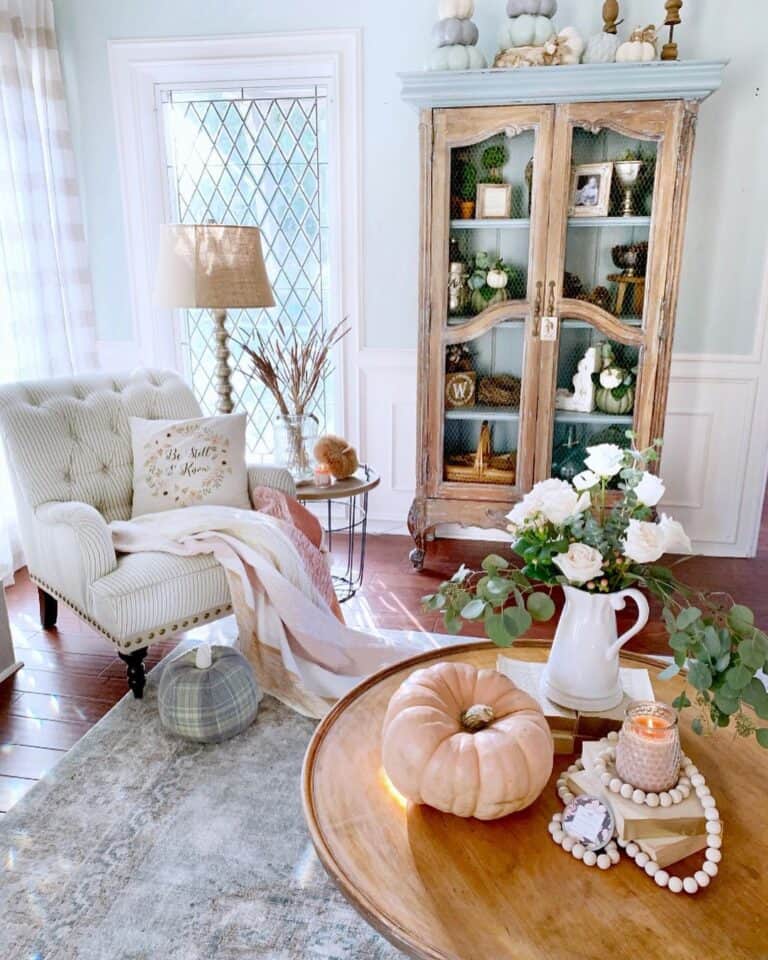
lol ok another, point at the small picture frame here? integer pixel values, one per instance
(494, 201)
(591, 190)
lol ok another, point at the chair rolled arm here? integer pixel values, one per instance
(80, 526)
(278, 478)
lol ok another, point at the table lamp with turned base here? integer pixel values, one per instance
(217, 267)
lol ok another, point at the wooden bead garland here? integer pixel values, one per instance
(603, 859)
(605, 769)
(610, 855)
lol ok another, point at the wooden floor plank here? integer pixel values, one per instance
(31, 732)
(12, 789)
(61, 683)
(43, 706)
(31, 763)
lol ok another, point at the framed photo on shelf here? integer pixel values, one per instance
(494, 201)
(590, 190)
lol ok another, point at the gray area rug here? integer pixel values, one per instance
(142, 846)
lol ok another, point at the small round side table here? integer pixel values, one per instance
(351, 497)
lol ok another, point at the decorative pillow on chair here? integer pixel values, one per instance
(186, 463)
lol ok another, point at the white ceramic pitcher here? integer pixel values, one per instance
(583, 667)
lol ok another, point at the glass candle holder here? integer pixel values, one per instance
(648, 750)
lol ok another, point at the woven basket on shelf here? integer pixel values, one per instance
(483, 466)
(503, 390)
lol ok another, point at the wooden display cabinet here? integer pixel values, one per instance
(567, 290)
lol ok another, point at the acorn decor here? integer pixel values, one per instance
(339, 455)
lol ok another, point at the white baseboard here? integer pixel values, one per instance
(713, 462)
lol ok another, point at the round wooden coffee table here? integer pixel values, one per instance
(443, 888)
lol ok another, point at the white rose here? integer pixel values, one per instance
(586, 480)
(643, 542)
(605, 460)
(581, 564)
(519, 514)
(555, 500)
(676, 540)
(558, 500)
(650, 489)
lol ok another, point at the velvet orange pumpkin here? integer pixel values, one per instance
(466, 741)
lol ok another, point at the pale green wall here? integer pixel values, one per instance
(726, 238)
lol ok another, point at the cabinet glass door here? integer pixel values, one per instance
(489, 214)
(605, 273)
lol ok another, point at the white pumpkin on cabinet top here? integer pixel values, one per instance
(640, 48)
(541, 8)
(602, 48)
(571, 45)
(526, 31)
(457, 57)
(461, 9)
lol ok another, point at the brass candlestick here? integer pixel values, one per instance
(610, 16)
(669, 50)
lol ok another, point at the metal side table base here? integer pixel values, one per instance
(348, 497)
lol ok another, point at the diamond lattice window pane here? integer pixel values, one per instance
(258, 162)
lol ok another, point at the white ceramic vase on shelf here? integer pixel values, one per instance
(583, 667)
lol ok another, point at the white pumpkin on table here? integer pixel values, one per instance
(466, 741)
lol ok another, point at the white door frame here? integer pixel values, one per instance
(139, 67)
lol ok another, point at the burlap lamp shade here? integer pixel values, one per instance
(213, 266)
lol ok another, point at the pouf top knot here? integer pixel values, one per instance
(208, 694)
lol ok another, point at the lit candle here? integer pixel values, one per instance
(648, 750)
(323, 476)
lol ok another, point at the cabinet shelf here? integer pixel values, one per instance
(585, 325)
(520, 223)
(565, 324)
(613, 222)
(483, 413)
(571, 416)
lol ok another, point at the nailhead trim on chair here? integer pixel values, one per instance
(127, 644)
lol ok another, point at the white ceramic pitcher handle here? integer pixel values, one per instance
(618, 602)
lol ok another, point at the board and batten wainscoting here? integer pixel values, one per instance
(717, 405)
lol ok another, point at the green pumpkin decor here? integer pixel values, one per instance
(480, 302)
(615, 387)
(608, 403)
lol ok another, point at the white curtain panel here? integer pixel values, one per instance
(47, 324)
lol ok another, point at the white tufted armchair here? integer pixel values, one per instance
(69, 449)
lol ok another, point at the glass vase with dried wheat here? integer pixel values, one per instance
(292, 369)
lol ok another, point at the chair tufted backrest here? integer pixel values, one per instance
(69, 439)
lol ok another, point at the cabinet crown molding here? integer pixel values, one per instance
(583, 82)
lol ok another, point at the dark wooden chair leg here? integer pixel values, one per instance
(137, 678)
(49, 609)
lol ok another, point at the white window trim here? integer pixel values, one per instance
(138, 67)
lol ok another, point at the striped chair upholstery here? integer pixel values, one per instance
(69, 449)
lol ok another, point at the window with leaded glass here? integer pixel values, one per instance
(255, 156)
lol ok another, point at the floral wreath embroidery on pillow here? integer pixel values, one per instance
(187, 463)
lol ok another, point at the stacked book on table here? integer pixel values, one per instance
(570, 728)
(666, 834)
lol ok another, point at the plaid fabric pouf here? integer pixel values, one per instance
(211, 704)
